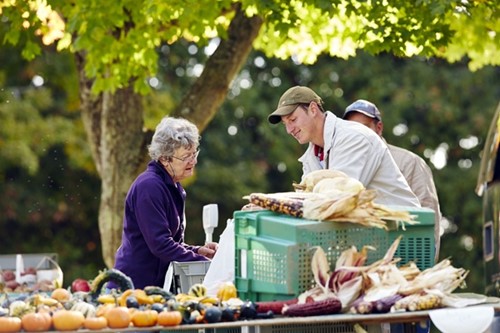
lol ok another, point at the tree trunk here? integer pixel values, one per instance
(114, 123)
(114, 126)
(206, 95)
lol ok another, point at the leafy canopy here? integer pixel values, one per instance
(120, 39)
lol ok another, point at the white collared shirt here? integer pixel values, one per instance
(359, 152)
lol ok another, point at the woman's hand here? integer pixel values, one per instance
(208, 250)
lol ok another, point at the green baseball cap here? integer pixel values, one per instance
(291, 99)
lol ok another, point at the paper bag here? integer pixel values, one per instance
(222, 267)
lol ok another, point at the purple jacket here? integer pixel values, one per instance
(153, 229)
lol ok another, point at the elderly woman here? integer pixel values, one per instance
(154, 222)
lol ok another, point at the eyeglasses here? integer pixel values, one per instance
(190, 157)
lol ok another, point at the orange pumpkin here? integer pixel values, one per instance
(102, 309)
(67, 320)
(169, 318)
(60, 294)
(95, 323)
(36, 321)
(10, 324)
(144, 318)
(118, 317)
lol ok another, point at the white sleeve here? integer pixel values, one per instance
(355, 156)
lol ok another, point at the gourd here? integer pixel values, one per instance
(154, 290)
(36, 321)
(10, 324)
(197, 290)
(226, 291)
(110, 275)
(68, 320)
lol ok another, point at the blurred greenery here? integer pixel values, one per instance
(50, 190)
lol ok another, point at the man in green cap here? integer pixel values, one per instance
(341, 145)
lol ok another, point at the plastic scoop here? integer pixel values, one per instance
(474, 319)
(210, 220)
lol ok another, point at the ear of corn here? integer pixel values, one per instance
(288, 206)
(323, 207)
(275, 306)
(418, 302)
(312, 178)
(384, 305)
(330, 305)
(361, 306)
(339, 184)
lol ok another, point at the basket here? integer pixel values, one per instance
(273, 251)
(49, 270)
(188, 273)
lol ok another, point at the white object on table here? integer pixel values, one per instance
(473, 319)
(19, 267)
(222, 266)
(210, 220)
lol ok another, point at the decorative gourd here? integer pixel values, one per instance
(226, 291)
(198, 290)
(110, 275)
(154, 290)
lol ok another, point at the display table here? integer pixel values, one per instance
(339, 323)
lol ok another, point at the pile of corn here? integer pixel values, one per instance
(330, 195)
(383, 286)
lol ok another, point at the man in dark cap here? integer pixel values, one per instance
(416, 172)
(342, 145)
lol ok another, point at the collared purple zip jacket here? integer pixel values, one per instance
(153, 228)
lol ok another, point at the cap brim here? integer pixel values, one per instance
(360, 111)
(275, 117)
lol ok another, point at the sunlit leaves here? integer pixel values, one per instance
(120, 38)
(477, 36)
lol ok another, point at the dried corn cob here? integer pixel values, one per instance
(275, 306)
(325, 208)
(330, 305)
(284, 205)
(312, 178)
(384, 305)
(417, 302)
(361, 306)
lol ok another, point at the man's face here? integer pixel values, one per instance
(365, 120)
(299, 124)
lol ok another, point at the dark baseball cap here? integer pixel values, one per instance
(292, 98)
(363, 106)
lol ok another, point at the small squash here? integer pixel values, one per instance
(118, 317)
(198, 290)
(169, 318)
(67, 320)
(226, 291)
(123, 281)
(144, 318)
(95, 323)
(62, 295)
(10, 324)
(36, 322)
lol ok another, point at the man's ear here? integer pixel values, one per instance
(314, 109)
(379, 128)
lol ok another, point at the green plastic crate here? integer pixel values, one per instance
(273, 251)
